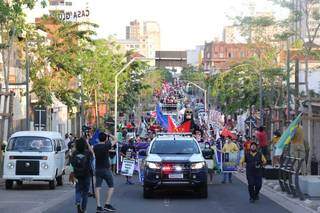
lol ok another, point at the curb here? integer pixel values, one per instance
(281, 198)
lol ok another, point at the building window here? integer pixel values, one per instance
(68, 3)
(220, 55)
(208, 55)
(242, 54)
(54, 3)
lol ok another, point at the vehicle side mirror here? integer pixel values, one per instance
(58, 148)
(3, 147)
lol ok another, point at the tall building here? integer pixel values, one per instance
(151, 31)
(142, 37)
(134, 31)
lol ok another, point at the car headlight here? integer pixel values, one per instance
(44, 165)
(153, 165)
(198, 165)
(10, 165)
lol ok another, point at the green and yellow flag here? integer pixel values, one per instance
(287, 135)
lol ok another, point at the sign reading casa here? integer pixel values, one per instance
(74, 15)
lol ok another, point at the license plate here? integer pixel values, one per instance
(175, 176)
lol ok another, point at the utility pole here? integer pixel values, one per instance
(27, 87)
(261, 98)
(288, 81)
(82, 120)
(296, 86)
(96, 107)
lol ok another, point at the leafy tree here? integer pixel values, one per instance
(57, 65)
(307, 13)
(12, 23)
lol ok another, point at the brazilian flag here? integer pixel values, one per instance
(287, 135)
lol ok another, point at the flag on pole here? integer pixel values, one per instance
(161, 119)
(184, 127)
(287, 135)
(95, 138)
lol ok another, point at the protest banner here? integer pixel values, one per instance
(127, 167)
(230, 162)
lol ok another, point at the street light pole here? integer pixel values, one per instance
(203, 90)
(116, 106)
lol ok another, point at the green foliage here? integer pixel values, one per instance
(190, 74)
(238, 88)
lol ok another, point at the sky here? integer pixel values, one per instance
(183, 23)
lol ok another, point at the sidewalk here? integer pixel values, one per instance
(272, 190)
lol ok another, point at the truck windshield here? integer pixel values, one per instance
(175, 147)
(30, 144)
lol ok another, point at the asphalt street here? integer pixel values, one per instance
(223, 198)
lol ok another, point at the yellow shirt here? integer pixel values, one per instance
(243, 159)
(275, 140)
(230, 147)
(298, 137)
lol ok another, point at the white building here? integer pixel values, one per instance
(194, 56)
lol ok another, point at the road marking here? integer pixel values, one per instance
(166, 202)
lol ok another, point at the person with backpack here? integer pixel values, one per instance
(103, 170)
(254, 161)
(81, 173)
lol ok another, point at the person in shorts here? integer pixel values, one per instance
(103, 171)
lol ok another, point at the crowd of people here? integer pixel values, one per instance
(255, 150)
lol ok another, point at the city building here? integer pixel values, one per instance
(142, 37)
(195, 56)
(173, 60)
(134, 31)
(232, 34)
(219, 56)
(130, 45)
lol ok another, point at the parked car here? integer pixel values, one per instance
(34, 156)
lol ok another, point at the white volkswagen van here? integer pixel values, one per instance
(34, 156)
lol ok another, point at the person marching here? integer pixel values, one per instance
(81, 173)
(254, 161)
(229, 147)
(103, 171)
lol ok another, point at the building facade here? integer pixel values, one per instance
(195, 56)
(144, 37)
(174, 60)
(219, 56)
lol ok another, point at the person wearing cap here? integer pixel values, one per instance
(254, 161)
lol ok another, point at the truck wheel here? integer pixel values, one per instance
(59, 180)
(52, 184)
(9, 184)
(147, 193)
(203, 191)
(19, 182)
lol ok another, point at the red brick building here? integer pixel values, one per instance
(218, 56)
